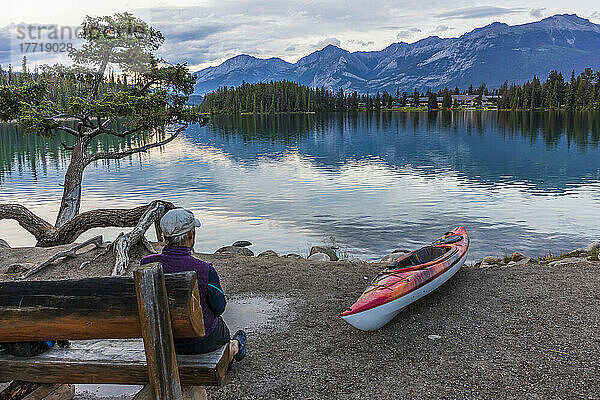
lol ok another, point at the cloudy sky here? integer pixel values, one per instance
(205, 33)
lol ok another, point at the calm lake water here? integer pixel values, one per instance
(371, 183)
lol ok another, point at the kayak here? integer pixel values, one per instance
(407, 279)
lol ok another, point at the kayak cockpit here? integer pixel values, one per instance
(418, 257)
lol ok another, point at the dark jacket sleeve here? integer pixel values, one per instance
(216, 297)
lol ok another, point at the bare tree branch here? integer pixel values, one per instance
(33, 224)
(67, 147)
(97, 130)
(70, 131)
(124, 133)
(122, 154)
(71, 253)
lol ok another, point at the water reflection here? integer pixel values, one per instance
(526, 181)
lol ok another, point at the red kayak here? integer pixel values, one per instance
(410, 277)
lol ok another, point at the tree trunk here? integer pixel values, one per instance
(71, 198)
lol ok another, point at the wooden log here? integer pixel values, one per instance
(155, 320)
(119, 361)
(94, 308)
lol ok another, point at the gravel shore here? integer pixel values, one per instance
(529, 332)
(525, 332)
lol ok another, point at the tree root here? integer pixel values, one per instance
(141, 218)
(49, 236)
(125, 241)
(69, 253)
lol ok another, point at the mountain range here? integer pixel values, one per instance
(491, 54)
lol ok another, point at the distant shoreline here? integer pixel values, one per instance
(402, 109)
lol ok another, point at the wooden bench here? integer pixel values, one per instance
(105, 319)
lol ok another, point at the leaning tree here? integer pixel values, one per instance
(152, 99)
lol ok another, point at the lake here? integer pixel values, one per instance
(370, 183)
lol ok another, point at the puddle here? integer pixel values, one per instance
(251, 313)
(257, 313)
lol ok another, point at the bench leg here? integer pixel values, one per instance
(189, 393)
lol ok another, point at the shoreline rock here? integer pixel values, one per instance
(241, 243)
(242, 251)
(268, 253)
(320, 257)
(324, 250)
(293, 255)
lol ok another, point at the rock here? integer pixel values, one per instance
(390, 257)
(242, 251)
(592, 246)
(490, 260)
(323, 249)
(516, 256)
(434, 337)
(356, 260)
(4, 244)
(569, 261)
(17, 269)
(241, 243)
(319, 257)
(352, 260)
(523, 261)
(267, 253)
(293, 255)
(400, 251)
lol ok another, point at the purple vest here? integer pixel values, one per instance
(179, 259)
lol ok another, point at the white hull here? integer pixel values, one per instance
(375, 318)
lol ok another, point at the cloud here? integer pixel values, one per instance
(479, 12)
(327, 41)
(537, 12)
(205, 33)
(211, 31)
(361, 42)
(441, 28)
(182, 33)
(408, 33)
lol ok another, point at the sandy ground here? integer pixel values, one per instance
(528, 332)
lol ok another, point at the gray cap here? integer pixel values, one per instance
(177, 222)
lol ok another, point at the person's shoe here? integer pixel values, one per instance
(240, 336)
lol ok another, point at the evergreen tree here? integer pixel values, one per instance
(432, 103)
(446, 100)
(570, 103)
(416, 96)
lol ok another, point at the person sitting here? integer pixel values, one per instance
(179, 229)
